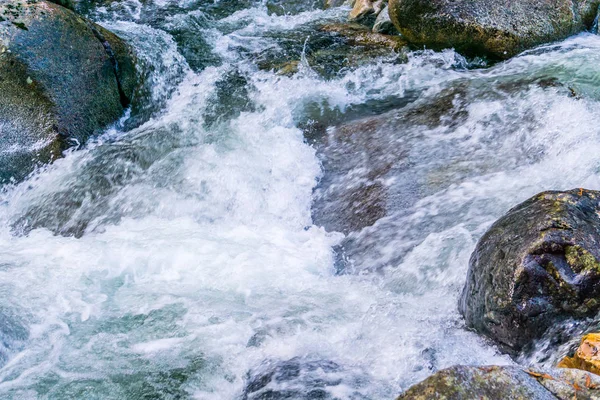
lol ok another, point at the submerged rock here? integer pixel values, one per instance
(536, 266)
(62, 79)
(462, 383)
(484, 27)
(300, 378)
(379, 161)
(587, 355)
(331, 49)
(360, 35)
(361, 157)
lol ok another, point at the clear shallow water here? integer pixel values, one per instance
(179, 258)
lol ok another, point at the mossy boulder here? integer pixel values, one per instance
(62, 79)
(508, 383)
(486, 27)
(536, 266)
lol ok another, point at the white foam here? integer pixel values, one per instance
(204, 249)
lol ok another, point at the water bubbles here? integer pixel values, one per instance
(183, 256)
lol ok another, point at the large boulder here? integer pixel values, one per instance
(535, 267)
(507, 383)
(488, 27)
(62, 79)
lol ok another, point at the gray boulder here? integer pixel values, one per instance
(62, 79)
(535, 267)
(486, 27)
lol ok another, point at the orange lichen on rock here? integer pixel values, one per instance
(587, 356)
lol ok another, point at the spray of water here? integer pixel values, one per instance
(179, 259)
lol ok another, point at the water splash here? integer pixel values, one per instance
(174, 259)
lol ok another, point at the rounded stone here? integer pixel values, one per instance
(483, 27)
(536, 266)
(62, 79)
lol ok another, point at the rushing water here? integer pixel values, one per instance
(178, 258)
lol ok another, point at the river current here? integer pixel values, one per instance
(176, 256)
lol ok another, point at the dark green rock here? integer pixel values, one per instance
(507, 383)
(58, 79)
(535, 267)
(485, 27)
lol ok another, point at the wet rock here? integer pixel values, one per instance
(482, 27)
(300, 379)
(354, 192)
(365, 8)
(230, 99)
(360, 35)
(462, 382)
(330, 49)
(62, 79)
(587, 355)
(379, 161)
(289, 68)
(383, 23)
(535, 267)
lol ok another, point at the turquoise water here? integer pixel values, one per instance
(180, 258)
